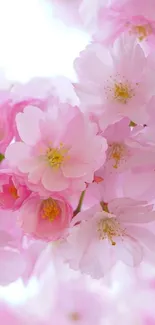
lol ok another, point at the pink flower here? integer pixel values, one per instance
(111, 88)
(59, 149)
(130, 160)
(117, 231)
(12, 193)
(45, 218)
(135, 18)
(126, 149)
(76, 303)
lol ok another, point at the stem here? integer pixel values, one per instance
(78, 209)
(1, 157)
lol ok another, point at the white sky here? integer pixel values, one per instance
(34, 44)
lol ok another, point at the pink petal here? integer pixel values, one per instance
(133, 217)
(28, 124)
(75, 169)
(142, 184)
(89, 66)
(5, 238)
(28, 215)
(129, 251)
(17, 151)
(35, 175)
(28, 165)
(146, 237)
(53, 180)
(12, 266)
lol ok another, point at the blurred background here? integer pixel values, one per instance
(33, 43)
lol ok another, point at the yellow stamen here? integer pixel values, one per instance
(13, 191)
(123, 92)
(120, 89)
(50, 209)
(142, 31)
(56, 156)
(117, 152)
(109, 228)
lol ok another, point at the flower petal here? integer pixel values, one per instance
(53, 180)
(129, 251)
(28, 124)
(75, 168)
(12, 266)
(16, 152)
(146, 237)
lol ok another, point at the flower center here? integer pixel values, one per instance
(56, 156)
(118, 88)
(13, 191)
(74, 316)
(109, 228)
(122, 92)
(50, 209)
(142, 31)
(117, 152)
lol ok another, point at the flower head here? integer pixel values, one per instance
(108, 233)
(54, 155)
(45, 218)
(114, 89)
(135, 19)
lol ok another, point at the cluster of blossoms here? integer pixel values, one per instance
(77, 182)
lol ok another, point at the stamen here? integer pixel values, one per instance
(50, 209)
(123, 92)
(118, 88)
(117, 152)
(56, 156)
(13, 191)
(109, 228)
(142, 31)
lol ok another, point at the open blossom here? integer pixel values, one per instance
(109, 87)
(126, 150)
(116, 231)
(133, 17)
(59, 149)
(45, 218)
(12, 193)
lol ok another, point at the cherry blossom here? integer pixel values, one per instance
(52, 153)
(110, 232)
(135, 18)
(109, 87)
(45, 218)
